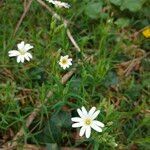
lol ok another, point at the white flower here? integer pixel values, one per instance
(22, 53)
(59, 3)
(65, 62)
(86, 121)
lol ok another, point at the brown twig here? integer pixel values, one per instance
(25, 4)
(34, 113)
(134, 63)
(125, 68)
(67, 76)
(58, 17)
(33, 147)
(26, 9)
(73, 41)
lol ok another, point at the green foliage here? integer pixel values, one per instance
(131, 5)
(107, 76)
(54, 127)
(122, 22)
(93, 8)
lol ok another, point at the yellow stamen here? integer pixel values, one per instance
(22, 52)
(88, 121)
(64, 61)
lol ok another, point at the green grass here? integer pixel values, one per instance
(98, 81)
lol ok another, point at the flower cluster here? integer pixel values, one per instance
(87, 119)
(22, 54)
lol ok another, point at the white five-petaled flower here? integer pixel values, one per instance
(59, 3)
(65, 62)
(22, 53)
(86, 121)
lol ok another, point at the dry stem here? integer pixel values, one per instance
(26, 9)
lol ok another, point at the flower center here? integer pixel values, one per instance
(88, 121)
(22, 52)
(64, 61)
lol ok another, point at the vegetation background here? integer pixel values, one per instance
(112, 73)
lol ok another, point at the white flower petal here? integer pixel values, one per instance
(80, 113)
(76, 119)
(76, 125)
(66, 57)
(82, 131)
(64, 67)
(70, 59)
(69, 63)
(51, 1)
(21, 45)
(98, 123)
(13, 53)
(22, 58)
(29, 55)
(84, 111)
(59, 3)
(27, 47)
(92, 110)
(88, 131)
(61, 58)
(18, 59)
(95, 114)
(96, 128)
(63, 4)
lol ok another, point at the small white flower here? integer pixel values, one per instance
(22, 53)
(59, 3)
(86, 121)
(65, 62)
